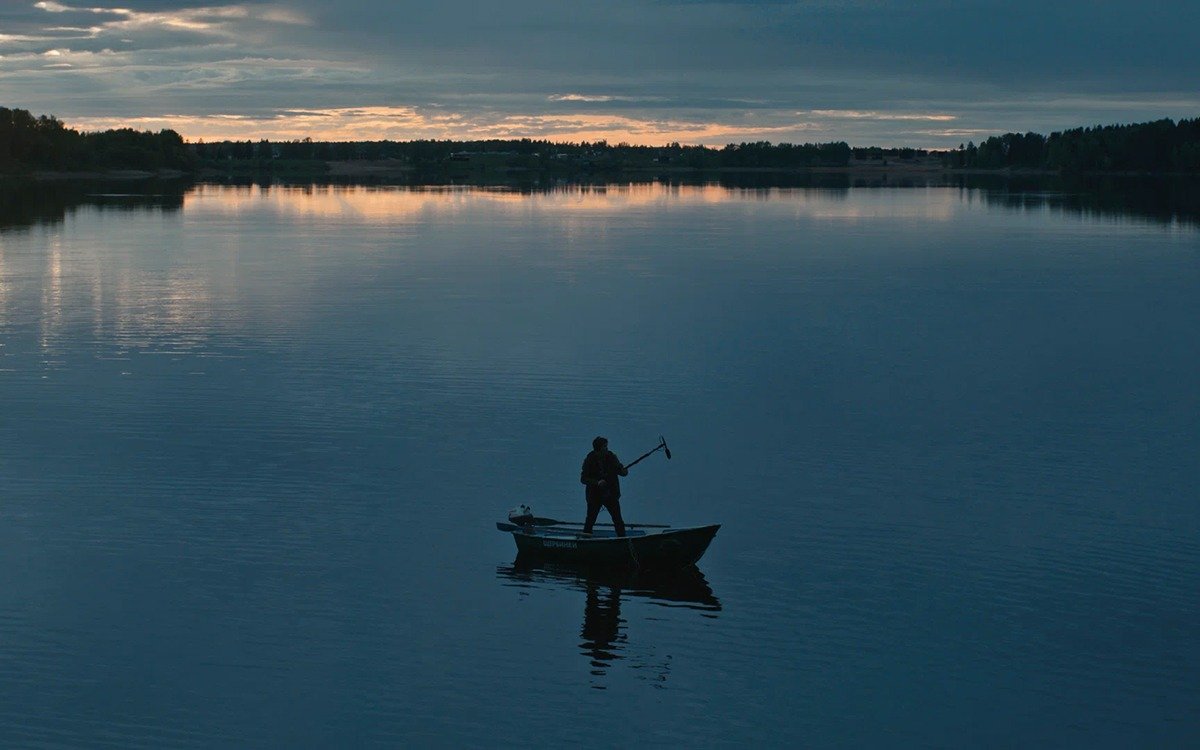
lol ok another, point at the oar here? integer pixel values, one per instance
(539, 521)
(662, 446)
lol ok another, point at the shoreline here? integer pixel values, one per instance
(112, 175)
(394, 169)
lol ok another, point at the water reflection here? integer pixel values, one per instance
(604, 634)
(161, 291)
(1162, 200)
(26, 204)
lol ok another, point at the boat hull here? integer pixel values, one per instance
(666, 549)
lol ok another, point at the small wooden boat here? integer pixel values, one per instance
(645, 548)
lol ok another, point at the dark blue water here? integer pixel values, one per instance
(253, 445)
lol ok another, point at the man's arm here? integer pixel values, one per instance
(621, 470)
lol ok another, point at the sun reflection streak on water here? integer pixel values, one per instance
(387, 204)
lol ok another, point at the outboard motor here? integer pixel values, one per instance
(522, 515)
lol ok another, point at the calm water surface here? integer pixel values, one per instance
(254, 441)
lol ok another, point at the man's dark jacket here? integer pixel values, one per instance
(602, 465)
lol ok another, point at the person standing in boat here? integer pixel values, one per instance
(601, 475)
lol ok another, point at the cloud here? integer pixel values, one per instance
(850, 114)
(865, 71)
(956, 132)
(579, 98)
(602, 98)
(206, 19)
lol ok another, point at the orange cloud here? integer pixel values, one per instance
(408, 123)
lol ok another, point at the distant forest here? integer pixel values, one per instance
(1159, 146)
(31, 144)
(535, 154)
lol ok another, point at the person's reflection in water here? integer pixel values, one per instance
(605, 633)
(602, 636)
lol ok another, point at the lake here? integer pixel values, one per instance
(255, 440)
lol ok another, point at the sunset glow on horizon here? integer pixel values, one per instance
(407, 124)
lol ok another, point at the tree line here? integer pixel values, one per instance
(29, 143)
(1158, 146)
(598, 153)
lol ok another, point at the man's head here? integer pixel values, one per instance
(600, 444)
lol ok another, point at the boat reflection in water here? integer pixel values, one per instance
(604, 633)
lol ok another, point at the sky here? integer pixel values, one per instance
(929, 74)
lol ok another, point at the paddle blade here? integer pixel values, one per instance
(666, 450)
